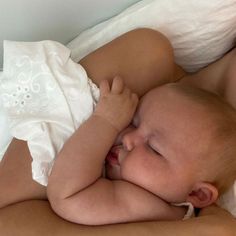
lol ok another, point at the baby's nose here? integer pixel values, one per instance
(131, 139)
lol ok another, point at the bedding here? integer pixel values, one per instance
(200, 33)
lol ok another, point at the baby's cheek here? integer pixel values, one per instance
(132, 169)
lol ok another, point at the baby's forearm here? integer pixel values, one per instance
(80, 162)
(79, 194)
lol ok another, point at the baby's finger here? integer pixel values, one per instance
(127, 91)
(117, 85)
(104, 87)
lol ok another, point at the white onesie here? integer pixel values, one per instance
(47, 96)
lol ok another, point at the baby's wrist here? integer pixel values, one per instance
(106, 122)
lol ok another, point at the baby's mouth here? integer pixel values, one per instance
(112, 156)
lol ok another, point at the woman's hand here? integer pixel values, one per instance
(117, 103)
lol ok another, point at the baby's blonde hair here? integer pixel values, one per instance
(221, 163)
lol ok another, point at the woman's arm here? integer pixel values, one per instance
(143, 57)
(36, 218)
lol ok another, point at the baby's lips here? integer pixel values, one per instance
(112, 159)
(114, 155)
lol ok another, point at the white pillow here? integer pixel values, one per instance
(200, 31)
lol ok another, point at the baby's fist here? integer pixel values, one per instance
(117, 103)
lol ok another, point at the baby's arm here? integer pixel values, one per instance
(77, 191)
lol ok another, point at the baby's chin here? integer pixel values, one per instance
(113, 172)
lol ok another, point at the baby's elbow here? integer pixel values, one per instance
(61, 207)
(57, 203)
(52, 193)
(66, 209)
(57, 193)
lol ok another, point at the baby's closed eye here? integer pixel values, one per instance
(154, 149)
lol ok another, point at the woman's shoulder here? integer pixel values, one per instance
(229, 80)
(218, 77)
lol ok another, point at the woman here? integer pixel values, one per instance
(145, 59)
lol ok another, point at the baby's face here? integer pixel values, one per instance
(161, 151)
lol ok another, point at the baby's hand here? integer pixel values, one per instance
(116, 104)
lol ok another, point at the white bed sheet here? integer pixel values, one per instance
(200, 31)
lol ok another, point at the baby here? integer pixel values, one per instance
(179, 148)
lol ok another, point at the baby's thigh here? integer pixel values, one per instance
(16, 182)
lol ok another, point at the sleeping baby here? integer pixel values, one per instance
(179, 150)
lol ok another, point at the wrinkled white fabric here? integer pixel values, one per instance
(190, 209)
(46, 96)
(5, 136)
(199, 31)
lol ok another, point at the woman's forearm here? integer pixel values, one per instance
(27, 218)
(80, 162)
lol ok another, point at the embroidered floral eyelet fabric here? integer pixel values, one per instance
(46, 96)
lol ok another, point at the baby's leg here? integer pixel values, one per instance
(16, 183)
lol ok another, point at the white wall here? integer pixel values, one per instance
(60, 20)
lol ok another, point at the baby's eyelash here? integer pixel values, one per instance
(154, 150)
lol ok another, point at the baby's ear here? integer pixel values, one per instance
(203, 194)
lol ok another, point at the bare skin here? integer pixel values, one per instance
(141, 67)
(19, 171)
(36, 218)
(219, 77)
